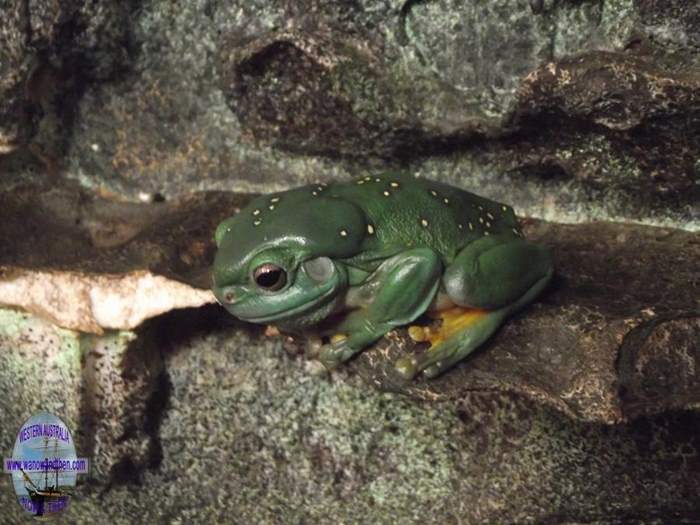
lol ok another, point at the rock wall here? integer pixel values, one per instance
(128, 130)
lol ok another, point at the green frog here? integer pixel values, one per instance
(356, 259)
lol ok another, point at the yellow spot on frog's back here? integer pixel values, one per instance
(336, 338)
(394, 184)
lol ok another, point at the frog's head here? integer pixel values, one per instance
(277, 260)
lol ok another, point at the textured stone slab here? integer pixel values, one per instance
(623, 306)
(237, 429)
(575, 110)
(91, 264)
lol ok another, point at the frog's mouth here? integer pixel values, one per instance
(283, 314)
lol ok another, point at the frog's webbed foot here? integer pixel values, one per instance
(338, 351)
(462, 330)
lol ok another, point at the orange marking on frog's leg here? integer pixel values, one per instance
(454, 320)
(451, 321)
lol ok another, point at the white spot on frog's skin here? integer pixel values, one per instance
(486, 233)
(368, 179)
(488, 224)
(360, 182)
(446, 200)
(274, 199)
(433, 193)
(370, 229)
(256, 212)
(256, 222)
(460, 226)
(481, 220)
(377, 180)
(489, 215)
(314, 193)
(271, 207)
(394, 184)
(471, 227)
(504, 208)
(424, 222)
(516, 232)
(386, 193)
(343, 233)
(481, 208)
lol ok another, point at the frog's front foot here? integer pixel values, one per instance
(337, 352)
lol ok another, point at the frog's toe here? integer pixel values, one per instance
(434, 370)
(313, 346)
(406, 367)
(337, 352)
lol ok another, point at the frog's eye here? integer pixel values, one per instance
(270, 277)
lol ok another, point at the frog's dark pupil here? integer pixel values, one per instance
(270, 277)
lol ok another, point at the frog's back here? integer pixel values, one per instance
(405, 211)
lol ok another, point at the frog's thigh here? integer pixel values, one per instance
(494, 271)
(406, 285)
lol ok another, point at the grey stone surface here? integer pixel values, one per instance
(240, 432)
(530, 100)
(49, 51)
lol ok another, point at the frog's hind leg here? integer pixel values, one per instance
(498, 277)
(463, 331)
